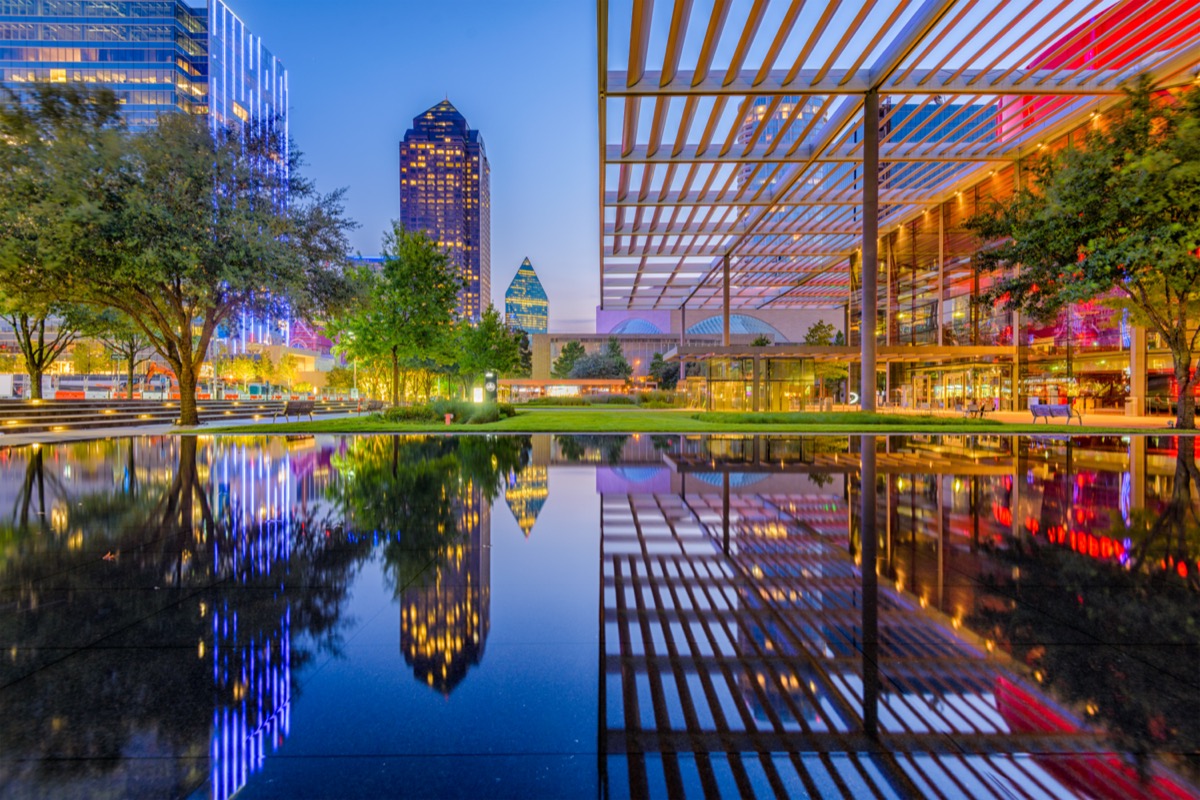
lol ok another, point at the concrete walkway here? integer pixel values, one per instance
(22, 439)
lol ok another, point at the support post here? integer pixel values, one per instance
(870, 247)
(725, 301)
(682, 342)
(1137, 372)
(869, 544)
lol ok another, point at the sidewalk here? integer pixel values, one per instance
(23, 439)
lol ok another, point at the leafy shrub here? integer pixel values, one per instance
(613, 400)
(557, 401)
(484, 413)
(661, 399)
(409, 414)
(461, 409)
(506, 410)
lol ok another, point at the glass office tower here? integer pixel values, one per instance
(526, 305)
(159, 56)
(444, 191)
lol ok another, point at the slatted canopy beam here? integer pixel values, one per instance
(734, 128)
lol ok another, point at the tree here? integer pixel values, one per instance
(186, 227)
(664, 374)
(286, 370)
(1116, 218)
(88, 358)
(822, 334)
(488, 345)
(407, 308)
(243, 369)
(571, 352)
(610, 363)
(525, 360)
(49, 147)
(128, 344)
(339, 379)
(761, 341)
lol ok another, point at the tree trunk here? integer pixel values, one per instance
(395, 377)
(35, 383)
(1185, 417)
(187, 393)
(129, 386)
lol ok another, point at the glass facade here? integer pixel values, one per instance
(526, 305)
(757, 384)
(444, 191)
(159, 56)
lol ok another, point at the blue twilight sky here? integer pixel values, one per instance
(523, 72)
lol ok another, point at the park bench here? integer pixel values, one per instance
(1060, 410)
(975, 410)
(371, 406)
(297, 408)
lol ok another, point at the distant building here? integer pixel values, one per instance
(444, 191)
(159, 56)
(526, 305)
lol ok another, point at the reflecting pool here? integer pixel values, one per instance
(602, 616)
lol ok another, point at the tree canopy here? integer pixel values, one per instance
(184, 228)
(405, 310)
(52, 147)
(571, 352)
(609, 363)
(1116, 218)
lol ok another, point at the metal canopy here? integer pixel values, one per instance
(734, 128)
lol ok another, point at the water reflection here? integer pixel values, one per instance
(882, 616)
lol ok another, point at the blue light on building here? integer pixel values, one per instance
(159, 56)
(526, 305)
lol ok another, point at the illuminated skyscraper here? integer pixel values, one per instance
(525, 303)
(444, 191)
(159, 56)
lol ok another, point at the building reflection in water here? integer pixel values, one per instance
(211, 518)
(444, 618)
(745, 644)
(526, 492)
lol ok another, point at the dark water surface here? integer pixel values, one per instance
(600, 616)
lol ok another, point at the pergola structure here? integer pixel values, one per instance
(753, 150)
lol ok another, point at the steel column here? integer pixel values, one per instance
(870, 247)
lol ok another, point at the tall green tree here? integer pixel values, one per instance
(665, 374)
(51, 144)
(1115, 218)
(571, 352)
(126, 342)
(407, 307)
(89, 357)
(823, 334)
(610, 363)
(189, 227)
(525, 354)
(488, 345)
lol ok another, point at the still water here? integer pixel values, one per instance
(600, 616)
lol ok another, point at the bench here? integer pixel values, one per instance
(297, 408)
(371, 406)
(1048, 410)
(975, 410)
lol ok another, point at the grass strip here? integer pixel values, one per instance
(624, 420)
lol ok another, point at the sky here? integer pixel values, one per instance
(523, 73)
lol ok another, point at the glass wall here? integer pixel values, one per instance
(784, 384)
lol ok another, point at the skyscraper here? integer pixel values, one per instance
(159, 56)
(525, 303)
(444, 191)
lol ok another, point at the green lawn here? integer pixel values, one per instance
(633, 420)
